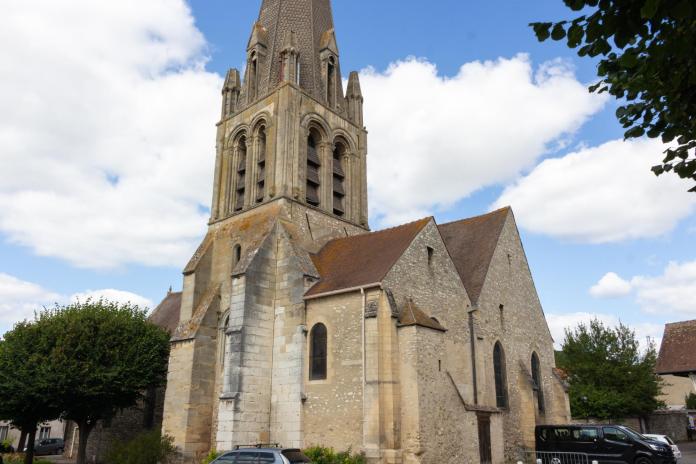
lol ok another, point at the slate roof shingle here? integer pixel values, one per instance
(168, 312)
(365, 259)
(471, 244)
(678, 349)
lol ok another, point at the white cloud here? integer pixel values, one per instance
(435, 140)
(601, 194)
(611, 286)
(19, 299)
(558, 323)
(107, 140)
(118, 296)
(672, 292)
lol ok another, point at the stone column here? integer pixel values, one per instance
(253, 171)
(348, 182)
(248, 180)
(215, 208)
(326, 176)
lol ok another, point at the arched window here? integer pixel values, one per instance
(236, 255)
(241, 173)
(331, 82)
(500, 377)
(313, 168)
(253, 73)
(339, 176)
(317, 352)
(536, 378)
(261, 166)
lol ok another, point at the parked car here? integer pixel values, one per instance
(606, 444)
(49, 446)
(258, 455)
(667, 440)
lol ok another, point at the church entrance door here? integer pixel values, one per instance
(484, 436)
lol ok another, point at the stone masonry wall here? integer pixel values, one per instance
(444, 427)
(509, 311)
(333, 411)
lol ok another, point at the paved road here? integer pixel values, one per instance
(688, 450)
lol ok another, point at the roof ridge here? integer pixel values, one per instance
(377, 232)
(490, 213)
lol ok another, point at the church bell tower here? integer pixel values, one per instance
(290, 175)
(287, 130)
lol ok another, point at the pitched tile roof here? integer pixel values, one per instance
(166, 314)
(677, 352)
(362, 259)
(413, 315)
(471, 243)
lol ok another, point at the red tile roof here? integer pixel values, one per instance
(471, 243)
(167, 313)
(678, 350)
(413, 315)
(362, 259)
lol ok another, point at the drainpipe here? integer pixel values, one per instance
(364, 381)
(472, 337)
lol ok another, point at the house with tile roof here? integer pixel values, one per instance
(421, 343)
(676, 363)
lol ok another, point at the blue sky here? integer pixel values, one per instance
(124, 132)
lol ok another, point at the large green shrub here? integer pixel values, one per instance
(320, 455)
(146, 448)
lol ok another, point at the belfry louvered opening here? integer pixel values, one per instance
(339, 177)
(241, 173)
(313, 169)
(261, 165)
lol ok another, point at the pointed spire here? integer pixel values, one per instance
(354, 99)
(230, 93)
(289, 59)
(259, 36)
(310, 20)
(328, 41)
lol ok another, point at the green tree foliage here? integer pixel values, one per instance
(610, 377)
(147, 448)
(647, 61)
(104, 356)
(319, 455)
(212, 455)
(690, 401)
(26, 394)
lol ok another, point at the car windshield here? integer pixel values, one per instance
(295, 456)
(633, 434)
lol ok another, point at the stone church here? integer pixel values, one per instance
(423, 343)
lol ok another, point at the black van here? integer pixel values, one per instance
(606, 444)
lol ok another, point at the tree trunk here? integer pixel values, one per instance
(22, 441)
(29, 455)
(84, 429)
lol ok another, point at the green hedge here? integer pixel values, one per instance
(320, 455)
(146, 448)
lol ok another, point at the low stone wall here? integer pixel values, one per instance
(670, 423)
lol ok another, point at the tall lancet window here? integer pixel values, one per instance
(331, 82)
(318, 351)
(253, 76)
(536, 378)
(313, 168)
(500, 378)
(241, 173)
(261, 166)
(339, 177)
